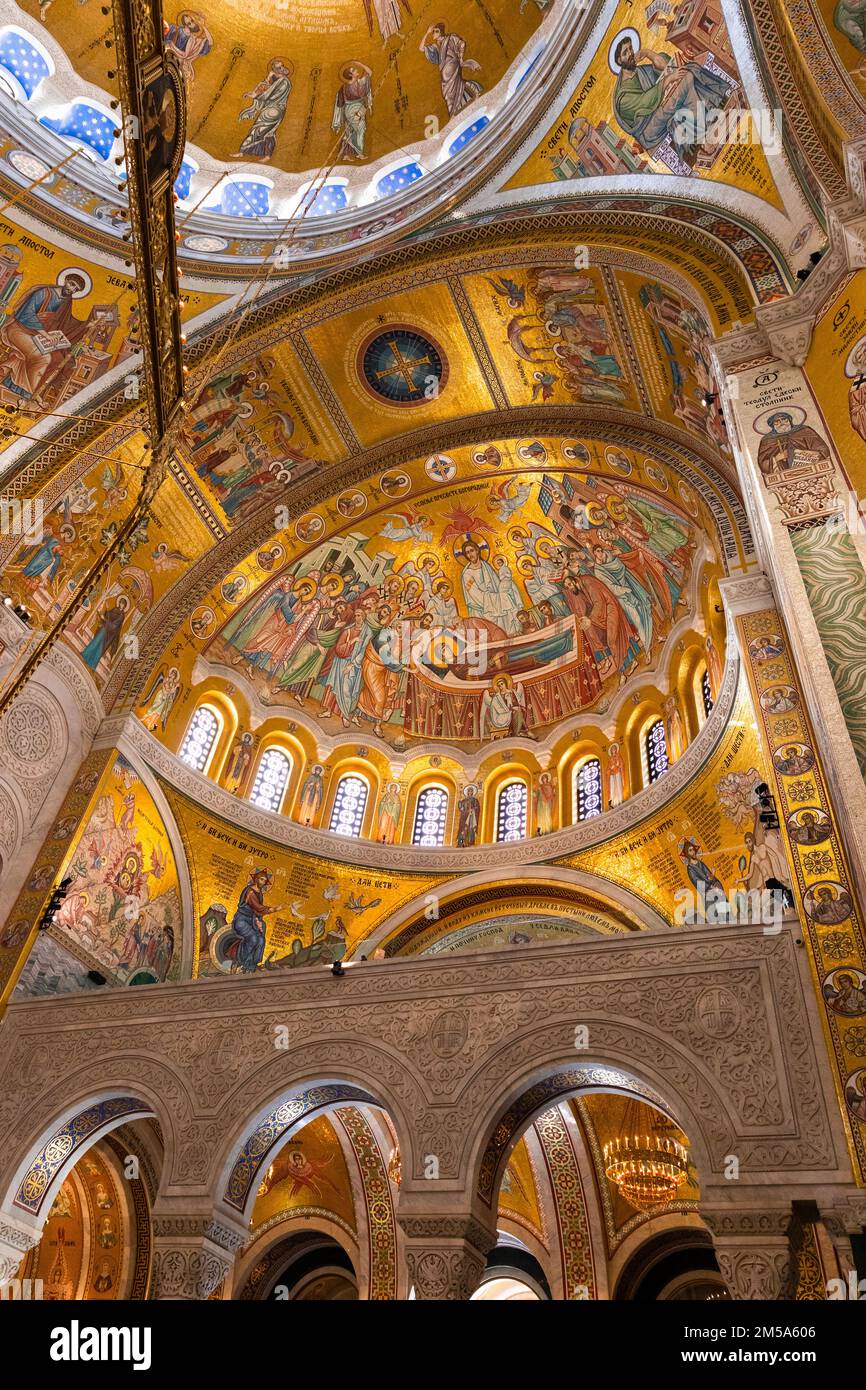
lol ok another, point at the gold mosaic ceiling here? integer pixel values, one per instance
(303, 84)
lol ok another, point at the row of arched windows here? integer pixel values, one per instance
(594, 787)
(432, 806)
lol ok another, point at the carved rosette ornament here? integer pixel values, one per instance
(445, 1256)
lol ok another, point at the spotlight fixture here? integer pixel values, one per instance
(815, 259)
(708, 398)
(54, 902)
(337, 968)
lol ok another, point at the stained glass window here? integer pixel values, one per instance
(431, 813)
(587, 789)
(271, 779)
(656, 761)
(350, 801)
(200, 737)
(511, 812)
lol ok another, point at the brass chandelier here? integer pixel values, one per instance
(646, 1169)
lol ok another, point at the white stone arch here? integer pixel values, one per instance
(60, 1145)
(550, 1075)
(260, 1131)
(62, 711)
(545, 875)
(13, 818)
(267, 1243)
(157, 1088)
(665, 1223)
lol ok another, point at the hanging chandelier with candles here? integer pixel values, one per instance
(646, 1169)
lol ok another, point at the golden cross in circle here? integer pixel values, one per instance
(404, 366)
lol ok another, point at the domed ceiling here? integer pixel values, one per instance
(302, 84)
(494, 591)
(501, 606)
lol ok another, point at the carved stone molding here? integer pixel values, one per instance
(848, 1217)
(74, 674)
(445, 1255)
(753, 1248)
(784, 329)
(15, 1241)
(747, 595)
(747, 1221)
(201, 1056)
(444, 1272)
(755, 1271)
(187, 1271)
(448, 1227)
(192, 1254)
(227, 1238)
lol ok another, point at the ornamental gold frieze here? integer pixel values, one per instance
(827, 897)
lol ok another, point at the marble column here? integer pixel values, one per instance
(824, 882)
(801, 467)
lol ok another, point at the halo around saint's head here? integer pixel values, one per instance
(615, 43)
(795, 412)
(79, 274)
(853, 367)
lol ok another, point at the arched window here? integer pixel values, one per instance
(201, 735)
(587, 790)
(271, 779)
(431, 813)
(655, 752)
(23, 60)
(511, 812)
(85, 123)
(350, 801)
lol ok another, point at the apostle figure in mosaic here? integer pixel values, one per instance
(266, 111)
(448, 52)
(656, 94)
(352, 105)
(247, 946)
(468, 817)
